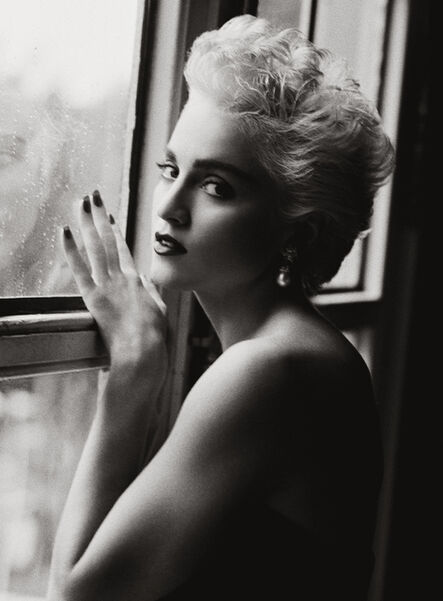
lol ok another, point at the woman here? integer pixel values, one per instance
(266, 487)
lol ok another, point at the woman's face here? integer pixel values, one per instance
(216, 202)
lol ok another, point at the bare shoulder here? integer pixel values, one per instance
(314, 351)
(290, 363)
(320, 358)
(252, 376)
(257, 359)
(288, 375)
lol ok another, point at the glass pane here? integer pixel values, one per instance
(349, 274)
(284, 13)
(43, 425)
(354, 29)
(66, 116)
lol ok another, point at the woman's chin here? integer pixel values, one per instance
(169, 280)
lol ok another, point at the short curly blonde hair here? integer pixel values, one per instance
(314, 132)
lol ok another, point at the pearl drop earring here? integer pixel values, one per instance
(284, 272)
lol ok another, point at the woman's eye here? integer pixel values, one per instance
(218, 189)
(168, 170)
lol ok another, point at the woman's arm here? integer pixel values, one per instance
(130, 316)
(112, 458)
(225, 444)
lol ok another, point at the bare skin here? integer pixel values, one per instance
(287, 382)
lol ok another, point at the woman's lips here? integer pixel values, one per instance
(167, 245)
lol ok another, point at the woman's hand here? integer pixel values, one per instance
(128, 310)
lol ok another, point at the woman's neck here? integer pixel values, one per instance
(242, 313)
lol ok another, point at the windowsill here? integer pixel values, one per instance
(346, 298)
(46, 322)
(45, 343)
(49, 343)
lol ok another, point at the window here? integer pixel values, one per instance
(66, 95)
(89, 92)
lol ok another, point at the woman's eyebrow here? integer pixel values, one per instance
(170, 155)
(215, 164)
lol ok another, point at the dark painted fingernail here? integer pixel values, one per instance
(97, 198)
(111, 219)
(86, 204)
(67, 232)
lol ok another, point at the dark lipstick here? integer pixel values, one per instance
(167, 245)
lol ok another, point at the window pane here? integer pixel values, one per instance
(354, 29)
(66, 116)
(349, 274)
(284, 13)
(43, 425)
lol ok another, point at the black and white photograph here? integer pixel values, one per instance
(216, 231)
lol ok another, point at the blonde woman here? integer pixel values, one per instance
(267, 485)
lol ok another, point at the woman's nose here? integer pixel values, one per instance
(172, 205)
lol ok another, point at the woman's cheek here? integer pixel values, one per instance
(240, 245)
(255, 236)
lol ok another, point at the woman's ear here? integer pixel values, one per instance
(310, 228)
(304, 232)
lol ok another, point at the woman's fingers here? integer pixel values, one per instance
(127, 264)
(78, 267)
(106, 248)
(116, 249)
(106, 233)
(93, 243)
